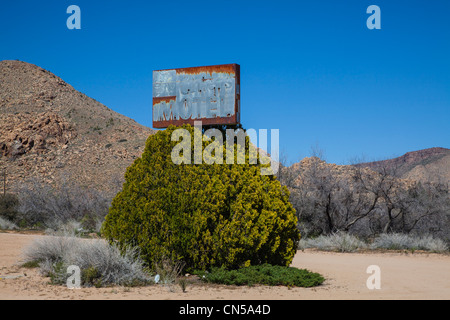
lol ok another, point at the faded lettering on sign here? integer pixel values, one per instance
(210, 94)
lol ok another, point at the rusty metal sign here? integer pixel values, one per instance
(210, 94)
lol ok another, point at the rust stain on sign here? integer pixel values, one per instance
(210, 94)
(223, 68)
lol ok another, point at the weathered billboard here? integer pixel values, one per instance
(210, 94)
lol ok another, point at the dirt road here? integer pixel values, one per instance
(402, 276)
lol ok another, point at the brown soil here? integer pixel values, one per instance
(403, 276)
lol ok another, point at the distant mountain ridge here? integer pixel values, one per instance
(49, 130)
(427, 165)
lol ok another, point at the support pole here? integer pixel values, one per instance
(4, 181)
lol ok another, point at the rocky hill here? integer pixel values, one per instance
(49, 131)
(428, 165)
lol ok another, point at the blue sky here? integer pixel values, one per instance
(311, 69)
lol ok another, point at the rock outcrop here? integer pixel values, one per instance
(49, 131)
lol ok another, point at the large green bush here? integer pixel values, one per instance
(208, 215)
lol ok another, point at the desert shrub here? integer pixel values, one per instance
(70, 228)
(339, 241)
(204, 214)
(100, 263)
(49, 249)
(265, 274)
(7, 225)
(398, 241)
(168, 270)
(8, 207)
(183, 283)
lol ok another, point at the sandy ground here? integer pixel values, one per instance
(403, 276)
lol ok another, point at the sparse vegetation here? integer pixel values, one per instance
(70, 228)
(340, 241)
(344, 242)
(110, 122)
(397, 241)
(43, 206)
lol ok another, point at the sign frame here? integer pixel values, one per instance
(163, 94)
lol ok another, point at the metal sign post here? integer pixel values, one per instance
(4, 181)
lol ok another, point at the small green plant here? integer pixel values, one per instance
(265, 274)
(57, 273)
(31, 264)
(183, 284)
(91, 276)
(110, 122)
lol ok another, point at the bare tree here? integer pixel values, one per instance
(312, 189)
(362, 201)
(424, 208)
(49, 205)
